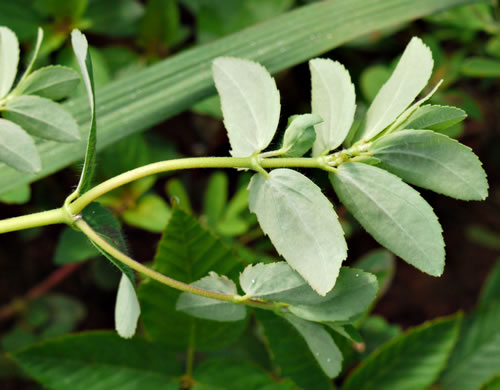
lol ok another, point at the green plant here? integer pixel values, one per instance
(313, 293)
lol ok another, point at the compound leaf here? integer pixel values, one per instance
(333, 99)
(17, 148)
(99, 361)
(409, 78)
(42, 117)
(411, 361)
(9, 59)
(250, 104)
(302, 225)
(208, 308)
(433, 161)
(54, 82)
(393, 213)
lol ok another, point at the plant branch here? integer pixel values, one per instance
(166, 280)
(43, 218)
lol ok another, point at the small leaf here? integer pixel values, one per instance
(17, 148)
(409, 78)
(18, 195)
(208, 308)
(52, 82)
(321, 345)
(150, 213)
(73, 247)
(176, 190)
(127, 309)
(411, 361)
(333, 99)
(433, 161)
(393, 213)
(476, 356)
(434, 117)
(481, 67)
(302, 225)
(34, 55)
(80, 47)
(215, 197)
(9, 59)
(299, 135)
(43, 118)
(250, 104)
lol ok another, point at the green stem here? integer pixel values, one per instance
(163, 279)
(50, 217)
(186, 163)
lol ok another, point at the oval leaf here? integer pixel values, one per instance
(333, 99)
(300, 134)
(17, 148)
(43, 118)
(302, 225)
(127, 309)
(212, 309)
(52, 82)
(411, 361)
(321, 344)
(250, 104)
(393, 213)
(409, 78)
(9, 58)
(433, 161)
(434, 117)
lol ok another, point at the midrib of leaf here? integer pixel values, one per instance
(148, 97)
(424, 253)
(291, 189)
(438, 162)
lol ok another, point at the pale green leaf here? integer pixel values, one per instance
(127, 309)
(208, 308)
(372, 79)
(151, 213)
(17, 148)
(434, 117)
(354, 291)
(409, 78)
(186, 252)
(100, 361)
(81, 50)
(53, 82)
(433, 161)
(250, 104)
(34, 55)
(299, 135)
(333, 99)
(321, 345)
(43, 118)
(9, 59)
(476, 357)
(290, 353)
(302, 225)
(393, 213)
(19, 195)
(412, 361)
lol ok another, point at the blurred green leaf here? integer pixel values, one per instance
(151, 213)
(372, 79)
(187, 252)
(483, 236)
(493, 384)
(490, 291)
(228, 374)
(380, 263)
(481, 67)
(17, 148)
(376, 331)
(215, 197)
(411, 361)
(115, 18)
(476, 356)
(73, 247)
(176, 191)
(19, 195)
(100, 361)
(434, 117)
(20, 17)
(62, 9)
(493, 46)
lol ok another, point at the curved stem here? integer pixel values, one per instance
(186, 163)
(50, 217)
(163, 279)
